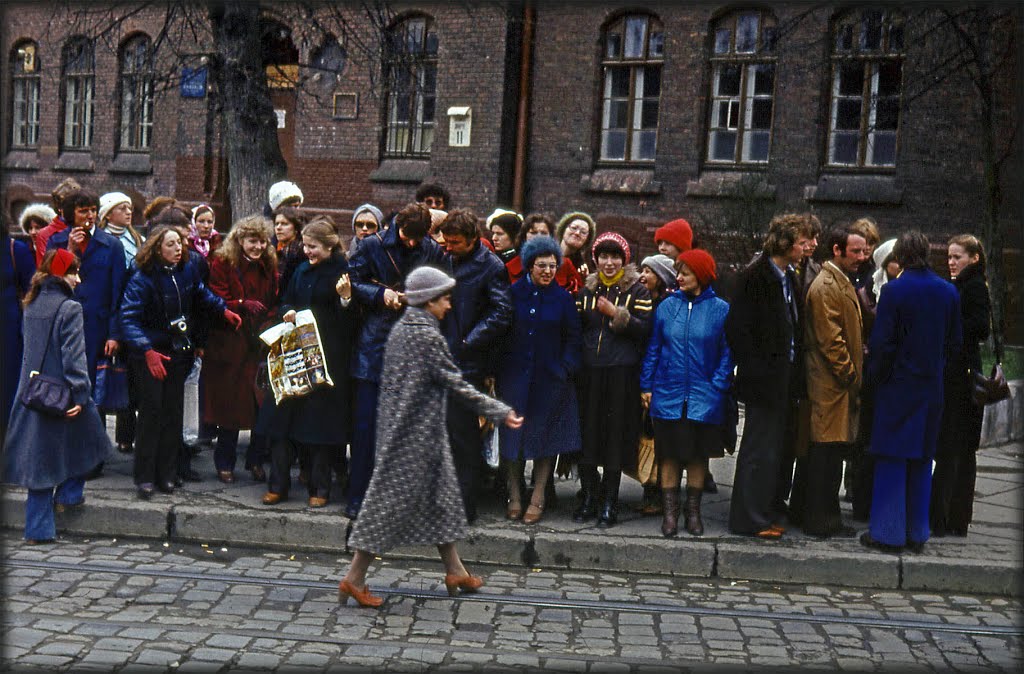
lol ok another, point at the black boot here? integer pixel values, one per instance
(670, 503)
(588, 495)
(693, 523)
(609, 516)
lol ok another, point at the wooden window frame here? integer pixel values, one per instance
(136, 83)
(24, 133)
(78, 121)
(411, 139)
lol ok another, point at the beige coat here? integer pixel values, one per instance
(834, 355)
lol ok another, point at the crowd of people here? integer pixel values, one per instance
(434, 321)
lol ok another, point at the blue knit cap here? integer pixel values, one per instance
(539, 246)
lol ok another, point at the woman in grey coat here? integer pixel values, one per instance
(414, 497)
(44, 453)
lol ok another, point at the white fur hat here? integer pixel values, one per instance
(282, 191)
(42, 211)
(109, 200)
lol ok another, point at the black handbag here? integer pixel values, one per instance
(988, 390)
(45, 394)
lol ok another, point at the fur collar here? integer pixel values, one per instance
(630, 277)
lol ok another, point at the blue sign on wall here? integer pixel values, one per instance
(193, 82)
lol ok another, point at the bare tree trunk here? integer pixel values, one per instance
(250, 127)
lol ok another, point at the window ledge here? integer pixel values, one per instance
(621, 181)
(132, 162)
(731, 184)
(24, 160)
(75, 161)
(855, 189)
(401, 171)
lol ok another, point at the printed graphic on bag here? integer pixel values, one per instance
(296, 360)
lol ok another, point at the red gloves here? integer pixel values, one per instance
(233, 319)
(154, 361)
(252, 307)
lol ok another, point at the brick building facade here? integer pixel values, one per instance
(637, 114)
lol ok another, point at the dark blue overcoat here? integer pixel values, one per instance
(542, 351)
(103, 277)
(15, 277)
(917, 331)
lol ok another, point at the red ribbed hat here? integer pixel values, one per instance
(678, 233)
(701, 264)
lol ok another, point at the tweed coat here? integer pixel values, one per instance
(414, 496)
(834, 356)
(41, 452)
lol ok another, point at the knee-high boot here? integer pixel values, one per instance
(670, 522)
(609, 516)
(588, 498)
(694, 525)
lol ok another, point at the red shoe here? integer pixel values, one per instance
(363, 597)
(465, 583)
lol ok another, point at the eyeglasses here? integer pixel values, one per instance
(579, 229)
(545, 266)
(367, 225)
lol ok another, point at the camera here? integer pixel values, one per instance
(179, 334)
(179, 324)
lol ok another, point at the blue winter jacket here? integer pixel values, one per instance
(380, 262)
(688, 359)
(153, 298)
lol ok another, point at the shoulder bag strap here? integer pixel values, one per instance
(46, 349)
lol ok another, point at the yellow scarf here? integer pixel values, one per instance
(614, 279)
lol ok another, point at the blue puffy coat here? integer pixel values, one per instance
(382, 262)
(688, 359)
(541, 353)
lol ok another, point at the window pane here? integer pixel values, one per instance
(882, 149)
(887, 114)
(871, 30)
(756, 148)
(762, 117)
(649, 116)
(851, 79)
(728, 114)
(768, 38)
(844, 38)
(613, 45)
(896, 37)
(844, 148)
(728, 80)
(618, 114)
(644, 145)
(848, 113)
(636, 36)
(402, 104)
(764, 78)
(431, 47)
(429, 79)
(428, 110)
(414, 35)
(618, 78)
(722, 38)
(657, 46)
(652, 81)
(889, 77)
(746, 33)
(723, 145)
(613, 145)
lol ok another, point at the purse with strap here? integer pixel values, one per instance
(45, 394)
(988, 390)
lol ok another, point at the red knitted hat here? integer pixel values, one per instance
(678, 233)
(615, 238)
(701, 264)
(61, 262)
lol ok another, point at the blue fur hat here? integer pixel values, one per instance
(539, 246)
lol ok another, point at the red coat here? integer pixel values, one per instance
(231, 358)
(567, 276)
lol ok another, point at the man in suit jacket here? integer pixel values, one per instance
(917, 332)
(102, 271)
(762, 331)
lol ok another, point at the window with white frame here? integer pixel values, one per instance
(411, 75)
(866, 87)
(79, 81)
(742, 88)
(136, 94)
(25, 82)
(632, 58)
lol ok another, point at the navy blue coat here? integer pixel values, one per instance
(688, 359)
(103, 278)
(539, 357)
(917, 333)
(481, 311)
(382, 262)
(40, 452)
(15, 278)
(152, 298)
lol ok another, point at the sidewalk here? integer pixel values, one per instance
(988, 561)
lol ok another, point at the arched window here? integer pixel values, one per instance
(411, 80)
(867, 82)
(633, 51)
(25, 79)
(78, 70)
(136, 81)
(742, 88)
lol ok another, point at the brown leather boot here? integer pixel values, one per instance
(693, 523)
(670, 505)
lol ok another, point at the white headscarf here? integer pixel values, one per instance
(879, 277)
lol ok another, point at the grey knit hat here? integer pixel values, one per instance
(372, 210)
(426, 283)
(664, 268)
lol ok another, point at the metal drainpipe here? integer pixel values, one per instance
(523, 117)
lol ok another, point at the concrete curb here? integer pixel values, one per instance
(843, 563)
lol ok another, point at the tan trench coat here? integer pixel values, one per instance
(834, 356)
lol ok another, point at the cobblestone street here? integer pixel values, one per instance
(121, 605)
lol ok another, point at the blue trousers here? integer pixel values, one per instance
(899, 502)
(39, 518)
(364, 438)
